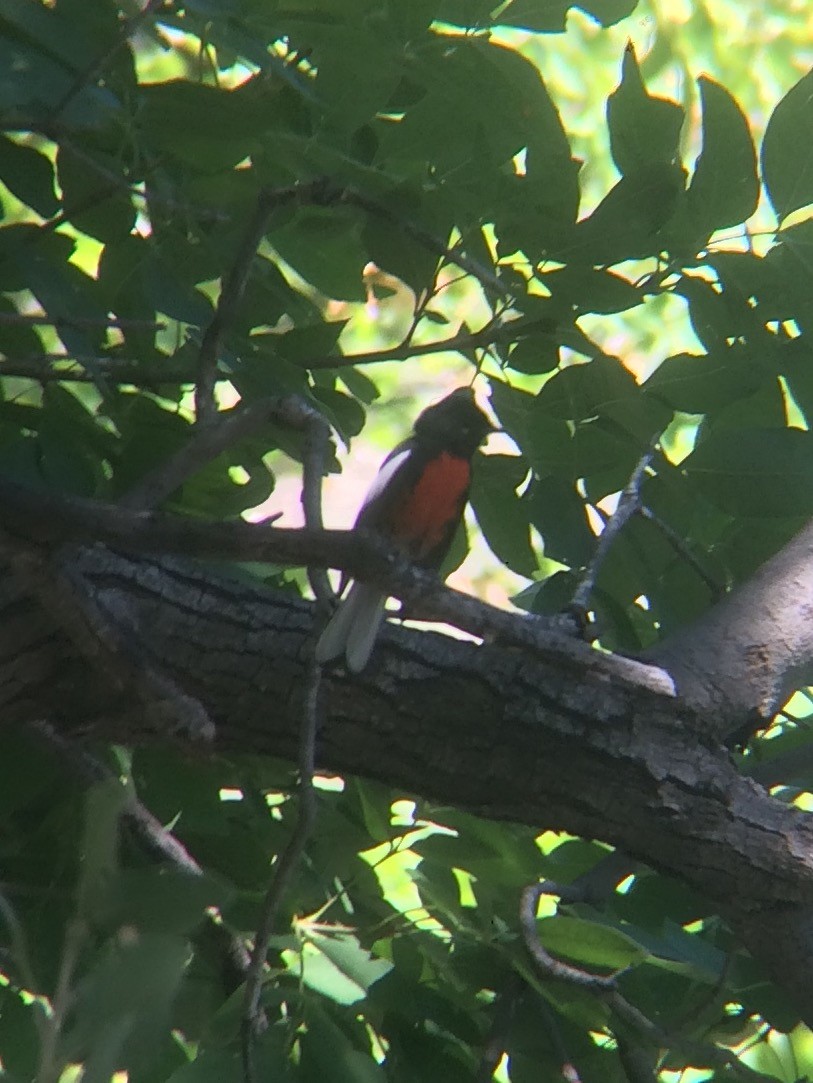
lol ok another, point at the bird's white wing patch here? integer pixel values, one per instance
(388, 470)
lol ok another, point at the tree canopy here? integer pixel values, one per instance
(577, 848)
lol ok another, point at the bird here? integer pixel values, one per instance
(416, 502)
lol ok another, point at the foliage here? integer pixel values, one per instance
(419, 184)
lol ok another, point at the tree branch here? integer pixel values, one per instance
(284, 869)
(54, 518)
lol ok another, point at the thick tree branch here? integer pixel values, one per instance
(52, 518)
(748, 653)
(523, 737)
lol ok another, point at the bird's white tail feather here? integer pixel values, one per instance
(353, 628)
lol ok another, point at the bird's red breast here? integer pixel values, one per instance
(422, 520)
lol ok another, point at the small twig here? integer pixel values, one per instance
(678, 543)
(628, 503)
(314, 456)
(129, 370)
(607, 989)
(207, 442)
(81, 369)
(484, 275)
(159, 844)
(283, 869)
(637, 1062)
(567, 1067)
(555, 968)
(157, 841)
(233, 425)
(490, 333)
(231, 293)
(50, 1068)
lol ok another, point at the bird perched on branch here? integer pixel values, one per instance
(416, 502)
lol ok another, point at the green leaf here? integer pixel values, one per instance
(340, 968)
(755, 472)
(19, 1034)
(626, 222)
(161, 901)
(324, 245)
(95, 194)
(702, 383)
(644, 130)
(29, 175)
(122, 1004)
(206, 127)
(500, 512)
(724, 190)
(580, 392)
(358, 69)
(787, 150)
(327, 1053)
(589, 943)
(585, 289)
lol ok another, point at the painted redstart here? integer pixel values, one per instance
(416, 502)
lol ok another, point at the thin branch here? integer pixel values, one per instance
(159, 844)
(492, 332)
(50, 1065)
(629, 502)
(314, 457)
(231, 293)
(678, 543)
(157, 841)
(606, 988)
(129, 370)
(81, 368)
(637, 1063)
(207, 442)
(50, 517)
(554, 968)
(484, 275)
(567, 1067)
(283, 870)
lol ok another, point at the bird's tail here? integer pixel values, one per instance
(353, 628)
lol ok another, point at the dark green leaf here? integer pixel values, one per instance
(699, 384)
(324, 245)
(580, 392)
(500, 513)
(95, 194)
(29, 175)
(755, 472)
(787, 150)
(587, 290)
(724, 190)
(625, 224)
(327, 1053)
(644, 130)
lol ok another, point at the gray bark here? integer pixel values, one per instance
(745, 656)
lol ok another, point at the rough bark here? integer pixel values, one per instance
(512, 734)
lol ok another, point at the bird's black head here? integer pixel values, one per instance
(455, 424)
